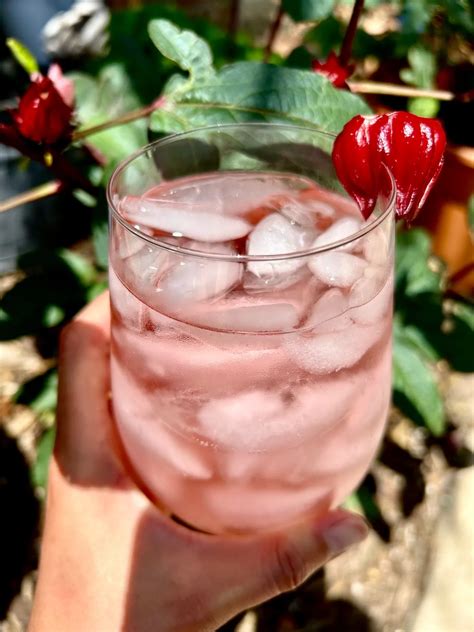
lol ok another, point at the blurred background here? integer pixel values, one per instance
(416, 571)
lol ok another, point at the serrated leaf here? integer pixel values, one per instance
(184, 47)
(39, 470)
(412, 273)
(308, 10)
(39, 393)
(414, 380)
(23, 55)
(248, 91)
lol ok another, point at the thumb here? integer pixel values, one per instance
(269, 565)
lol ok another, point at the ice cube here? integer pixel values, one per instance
(307, 214)
(191, 223)
(193, 279)
(228, 194)
(341, 229)
(337, 268)
(323, 353)
(139, 405)
(331, 304)
(376, 245)
(369, 301)
(130, 310)
(250, 420)
(276, 235)
(257, 317)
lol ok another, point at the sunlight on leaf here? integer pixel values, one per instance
(185, 48)
(414, 380)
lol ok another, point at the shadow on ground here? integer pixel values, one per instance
(308, 609)
(19, 521)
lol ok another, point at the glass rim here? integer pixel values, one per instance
(238, 258)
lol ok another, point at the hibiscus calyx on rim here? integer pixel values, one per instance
(333, 70)
(411, 147)
(42, 115)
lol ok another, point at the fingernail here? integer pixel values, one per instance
(345, 533)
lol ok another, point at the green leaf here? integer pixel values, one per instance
(424, 106)
(54, 290)
(470, 213)
(100, 236)
(80, 267)
(23, 56)
(308, 10)
(325, 37)
(185, 48)
(96, 289)
(39, 471)
(412, 273)
(103, 98)
(248, 91)
(39, 393)
(414, 380)
(422, 71)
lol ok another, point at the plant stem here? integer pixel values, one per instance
(460, 274)
(348, 41)
(374, 87)
(38, 193)
(273, 32)
(233, 18)
(134, 115)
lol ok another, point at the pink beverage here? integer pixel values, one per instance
(251, 344)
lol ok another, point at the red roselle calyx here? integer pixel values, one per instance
(410, 146)
(42, 115)
(333, 70)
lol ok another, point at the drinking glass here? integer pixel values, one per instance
(251, 325)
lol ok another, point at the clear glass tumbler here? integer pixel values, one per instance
(251, 325)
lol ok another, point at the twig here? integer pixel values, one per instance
(348, 41)
(374, 87)
(134, 115)
(38, 193)
(273, 32)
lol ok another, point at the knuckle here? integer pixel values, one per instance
(290, 569)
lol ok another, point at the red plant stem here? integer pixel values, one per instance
(273, 32)
(460, 274)
(348, 41)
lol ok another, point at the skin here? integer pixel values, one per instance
(111, 561)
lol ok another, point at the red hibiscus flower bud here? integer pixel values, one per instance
(63, 85)
(332, 69)
(410, 146)
(42, 115)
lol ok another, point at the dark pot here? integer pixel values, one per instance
(51, 222)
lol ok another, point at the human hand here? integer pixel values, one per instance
(111, 561)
